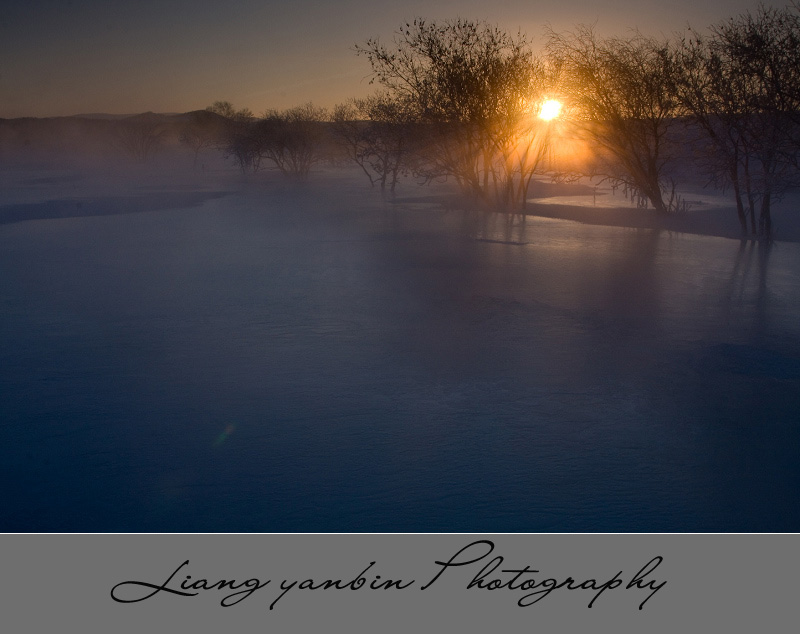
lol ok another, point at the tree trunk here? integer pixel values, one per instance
(765, 220)
(739, 204)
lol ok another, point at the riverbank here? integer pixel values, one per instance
(720, 222)
(33, 194)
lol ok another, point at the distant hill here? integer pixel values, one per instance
(113, 117)
(94, 136)
(100, 115)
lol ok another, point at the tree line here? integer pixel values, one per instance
(459, 100)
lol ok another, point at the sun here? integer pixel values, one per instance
(550, 110)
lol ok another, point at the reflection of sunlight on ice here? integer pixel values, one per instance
(606, 198)
(585, 201)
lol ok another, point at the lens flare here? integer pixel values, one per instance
(225, 434)
(550, 110)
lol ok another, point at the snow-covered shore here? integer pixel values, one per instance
(30, 193)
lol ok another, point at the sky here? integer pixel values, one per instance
(67, 57)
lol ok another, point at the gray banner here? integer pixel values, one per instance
(400, 583)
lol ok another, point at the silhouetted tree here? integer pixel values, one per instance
(204, 130)
(376, 133)
(239, 135)
(350, 131)
(292, 139)
(619, 97)
(142, 135)
(244, 146)
(226, 109)
(475, 90)
(741, 85)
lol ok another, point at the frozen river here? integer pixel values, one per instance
(276, 362)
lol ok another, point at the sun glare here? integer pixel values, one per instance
(550, 110)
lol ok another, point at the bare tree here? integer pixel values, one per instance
(376, 134)
(713, 97)
(226, 109)
(741, 85)
(619, 95)
(474, 88)
(763, 52)
(292, 139)
(244, 145)
(351, 132)
(203, 130)
(142, 135)
(238, 136)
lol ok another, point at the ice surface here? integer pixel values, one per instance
(275, 360)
